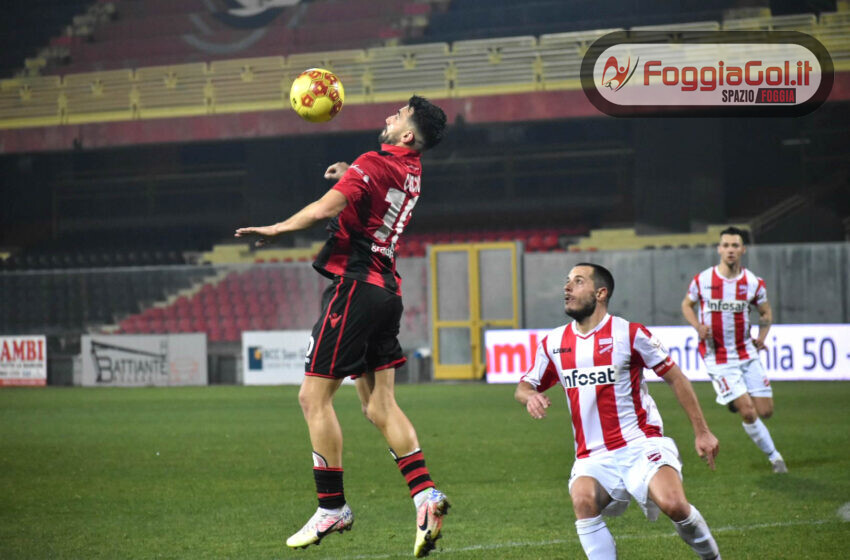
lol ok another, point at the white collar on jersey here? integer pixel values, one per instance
(735, 279)
(604, 320)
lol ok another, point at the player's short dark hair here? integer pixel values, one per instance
(429, 119)
(602, 278)
(732, 230)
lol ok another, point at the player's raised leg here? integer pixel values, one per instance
(589, 499)
(377, 394)
(333, 514)
(666, 490)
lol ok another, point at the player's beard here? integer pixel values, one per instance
(385, 138)
(583, 312)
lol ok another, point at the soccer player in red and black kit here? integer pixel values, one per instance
(356, 334)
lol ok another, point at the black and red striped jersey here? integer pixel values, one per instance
(382, 188)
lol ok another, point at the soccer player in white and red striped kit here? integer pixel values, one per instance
(724, 294)
(621, 451)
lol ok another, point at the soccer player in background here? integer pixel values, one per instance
(356, 334)
(621, 451)
(724, 294)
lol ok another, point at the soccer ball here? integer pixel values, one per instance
(317, 95)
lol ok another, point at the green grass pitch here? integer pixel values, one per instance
(225, 472)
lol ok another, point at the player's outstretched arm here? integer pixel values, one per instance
(535, 403)
(326, 207)
(705, 443)
(335, 171)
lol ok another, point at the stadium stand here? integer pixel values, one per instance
(474, 19)
(156, 86)
(259, 297)
(56, 303)
(26, 28)
(170, 33)
(121, 74)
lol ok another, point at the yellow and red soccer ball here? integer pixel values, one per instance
(317, 95)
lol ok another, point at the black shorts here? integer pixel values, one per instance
(357, 331)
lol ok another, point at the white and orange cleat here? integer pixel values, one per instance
(429, 521)
(321, 524)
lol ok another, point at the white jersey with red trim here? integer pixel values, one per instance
(724, 305)
(602, 375)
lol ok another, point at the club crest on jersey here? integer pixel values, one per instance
(721, 305)
(604, 345)
(657, 344)
(589, 376)
(742, 289)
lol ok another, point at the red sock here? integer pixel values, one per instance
(412, 467)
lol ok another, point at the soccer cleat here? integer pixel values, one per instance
(429, 521)
(321, 524)
(779, 466)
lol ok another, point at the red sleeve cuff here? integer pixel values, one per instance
(664, 367)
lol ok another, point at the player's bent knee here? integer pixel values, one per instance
(585, 504)
(748, 411)
(749, 416)
(676, 509)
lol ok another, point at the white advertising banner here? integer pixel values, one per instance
(274, 357)
(23, 360)
(794, 352)
(144, 360)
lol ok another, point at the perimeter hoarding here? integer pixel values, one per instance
(23, 360)
(144, 360)
(794, 352)
(274, 357)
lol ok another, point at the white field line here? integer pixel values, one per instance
(845, 509)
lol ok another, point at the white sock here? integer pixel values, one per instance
(694, 531)
(760, 436)
(331, 511)
(596, 539)
(420, 497)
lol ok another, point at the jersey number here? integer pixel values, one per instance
(395, 216)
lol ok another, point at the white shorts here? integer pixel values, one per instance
(625, 473)
(733, 380)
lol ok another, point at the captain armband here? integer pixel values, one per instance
(664, 366)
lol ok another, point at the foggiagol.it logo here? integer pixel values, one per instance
(736, 73)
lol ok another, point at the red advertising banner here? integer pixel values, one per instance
(23, 360)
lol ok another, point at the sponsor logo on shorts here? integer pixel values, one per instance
(585, 377)
(723, 305)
